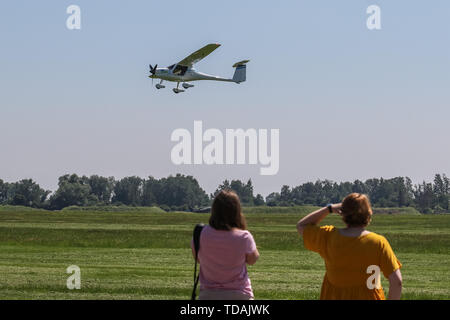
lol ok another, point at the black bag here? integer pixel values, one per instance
(197, 230)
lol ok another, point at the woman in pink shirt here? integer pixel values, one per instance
(226, 247)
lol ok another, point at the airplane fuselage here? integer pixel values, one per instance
(184, 75)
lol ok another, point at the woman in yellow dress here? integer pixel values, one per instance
(354, 257)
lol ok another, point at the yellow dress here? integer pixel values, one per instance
(347, 260)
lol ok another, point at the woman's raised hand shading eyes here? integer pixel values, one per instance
(336, 208)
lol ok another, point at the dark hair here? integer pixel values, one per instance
(356, 210)
(226, 212)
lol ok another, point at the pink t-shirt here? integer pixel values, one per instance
(222, 259)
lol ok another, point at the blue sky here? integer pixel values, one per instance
(350, 103)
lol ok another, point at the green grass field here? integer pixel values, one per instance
(145, 253)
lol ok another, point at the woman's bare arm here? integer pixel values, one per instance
(316, 216)
(395, 285)
(251, 258)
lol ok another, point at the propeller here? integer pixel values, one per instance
(153, 69)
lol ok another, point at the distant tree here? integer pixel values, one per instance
(403, 192)
(224, 186)
(308, 193)
(239, 187)
(446, 201)
(273, 199)
(180, 192)
(72, 191)
(424, 197)
(441, 190)
(359, 187)
(382, 192)
(409, 192)
(243, 190)
(28, 193)
(102, 188)
(326, 192)
(3, 192)
(128, 191)
(246, 194)
(285, 196)
(259, 200)
(152, 188)
(285, 193)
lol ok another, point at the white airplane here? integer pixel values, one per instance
(184, 72)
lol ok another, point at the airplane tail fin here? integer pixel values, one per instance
(240, 72)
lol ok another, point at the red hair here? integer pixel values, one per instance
(356, 210)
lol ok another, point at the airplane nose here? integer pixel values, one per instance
(153, 69)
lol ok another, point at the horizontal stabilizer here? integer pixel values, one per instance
(240, 63)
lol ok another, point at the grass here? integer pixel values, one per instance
(145, 254)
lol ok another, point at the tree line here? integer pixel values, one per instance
(181, 192)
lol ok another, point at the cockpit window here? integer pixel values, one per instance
(180, 70)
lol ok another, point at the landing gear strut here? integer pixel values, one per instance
(159, 85)
(176, 90)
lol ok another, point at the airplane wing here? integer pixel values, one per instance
(198, 55)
